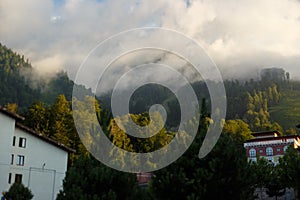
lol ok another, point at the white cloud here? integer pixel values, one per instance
(237, 34)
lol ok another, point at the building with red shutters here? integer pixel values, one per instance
(270, 145)
(144, 178)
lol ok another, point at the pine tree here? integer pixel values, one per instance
(89, 179)
(222, 174)
(18, 191)
(61, 120)
(290, 168)
(37, 118)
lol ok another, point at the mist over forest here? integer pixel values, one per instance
(268, 87)
(268, 102)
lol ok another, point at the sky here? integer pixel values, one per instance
(240, 36)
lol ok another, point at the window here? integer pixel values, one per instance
(14, 140)
(278, 149)
(269, 151)
(271, 159)
(12, 159)
(18, 178)
(20, 160)
(285, 148)
(261, 151)
(22, 142)
(9, 178)
(252, 152)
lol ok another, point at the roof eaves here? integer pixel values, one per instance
(273, 138)
(44, 138)
(265, 132)
(11, 114)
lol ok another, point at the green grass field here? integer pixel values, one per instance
(287, 112)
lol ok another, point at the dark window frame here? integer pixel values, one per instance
(18, 178)
(269, 151)
(14, 141)
(12, 159)
(252, 153)
(20, 160)
(9, 178)
(22, 142)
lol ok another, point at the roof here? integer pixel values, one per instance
(272, 138)
(265, 133)
(44, 138)
(34, 133)
(11, 114)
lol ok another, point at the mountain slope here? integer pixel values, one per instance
(13, 86)
(16, 85)
(287, 112)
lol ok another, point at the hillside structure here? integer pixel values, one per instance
(31, 158)
(275, 74)
(270, 145)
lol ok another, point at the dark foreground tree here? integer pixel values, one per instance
(223, 174)
(18, 192)
(88, 179)
(290, 169)
(275, 186)
(261, 171)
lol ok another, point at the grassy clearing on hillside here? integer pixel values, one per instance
(287, 112)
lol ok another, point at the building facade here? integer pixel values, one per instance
(28, 157)
(270, 145)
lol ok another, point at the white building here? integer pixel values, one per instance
(26, 156)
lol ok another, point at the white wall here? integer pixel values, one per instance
(44, 167)
(7, 125)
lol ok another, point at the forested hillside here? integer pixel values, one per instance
(265, 104)
(18, 87)
(14, 88)
(224, 174)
